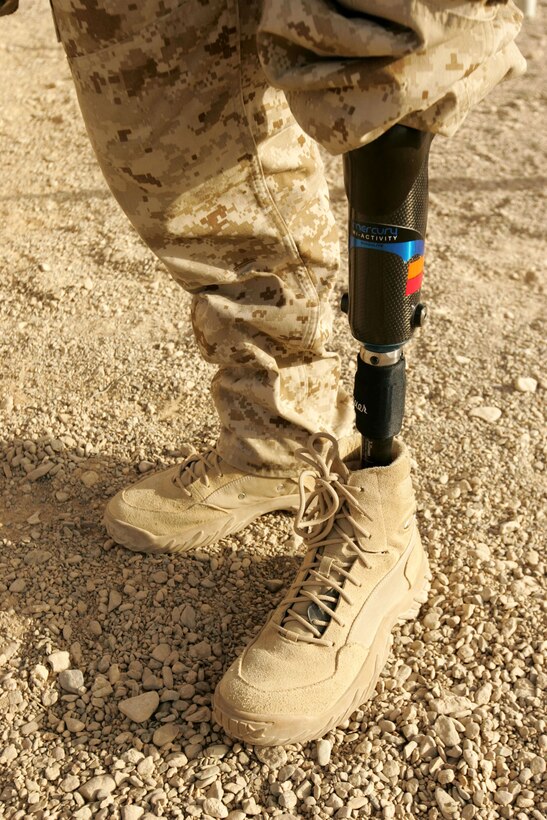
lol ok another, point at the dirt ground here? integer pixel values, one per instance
(101, 380)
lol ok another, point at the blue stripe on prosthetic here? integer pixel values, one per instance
(406, 250)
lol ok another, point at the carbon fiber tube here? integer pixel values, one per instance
(387, 189)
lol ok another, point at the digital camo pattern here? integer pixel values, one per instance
(353, 68)
(209, 164)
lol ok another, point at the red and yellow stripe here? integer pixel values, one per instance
(415, 275)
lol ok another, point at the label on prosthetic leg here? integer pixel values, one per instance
(387, 267)
(405, 243)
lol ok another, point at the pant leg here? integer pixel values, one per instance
(219, 180)
(354, 68)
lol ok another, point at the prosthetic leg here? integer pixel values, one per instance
(387, 188)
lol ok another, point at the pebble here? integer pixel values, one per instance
(101, 784)
(165, 734)
(141, 707)
(214, 807)
(89, 478)
(114, 600)
(449, 807)
(131, 812)
(272, 756)
(274, 584)
(451, 704)
(161, 652)
(74, 725)
(486, 413)
(19, 585)
(323, 752)
(59, 661)
(72, 680)
(250, 807)
(503, 797)
(525, 384)
(7, 651)
(146, 766)
(70, 783)
(446, 731)
(483, 694)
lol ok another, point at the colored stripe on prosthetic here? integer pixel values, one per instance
(414, 284)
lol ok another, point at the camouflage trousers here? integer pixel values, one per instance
(204, 117)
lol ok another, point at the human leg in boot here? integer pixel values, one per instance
(224, 186)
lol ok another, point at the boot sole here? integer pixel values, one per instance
(140, 540)
(277, 730)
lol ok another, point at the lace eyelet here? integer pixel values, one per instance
(280, 487)
(241, 496)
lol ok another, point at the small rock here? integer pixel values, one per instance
(486, 413)
(177, 760)
(525, 384)
(89, 478)
(483, 694)
(217, 750)
(8, 754)
(59, 661)
(537, 765)
(274, 584)
(7, 651)
(102, 783)
(449, 807)
(132, 812)
(161, 652)
(288, 800)
(214, 807)
(449, 704)
(74, 725)
(503, 797)
(250, 806)
(29, 728)
(40, 471)
(446, 731)
(272, 756)
(18, 585)
(323, 748)
(188, 617)
(146, 766)
(140, 708)
(202, 649)
(114, 600)
(70, 783)
(165, 734)
(72, 680)
(145, 466)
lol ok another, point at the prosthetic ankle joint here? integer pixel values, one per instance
(387, 188)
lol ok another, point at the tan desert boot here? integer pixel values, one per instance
(322, 650)
(194, 504)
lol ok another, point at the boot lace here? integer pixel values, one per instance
(198, 466)
(325, 521)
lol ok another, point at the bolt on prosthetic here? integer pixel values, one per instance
(387, 188)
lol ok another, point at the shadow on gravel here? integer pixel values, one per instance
(131, 623)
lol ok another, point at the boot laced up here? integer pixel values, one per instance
(325, 521)
(320, 653)
(198, 466)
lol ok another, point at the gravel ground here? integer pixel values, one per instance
(102, 381)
